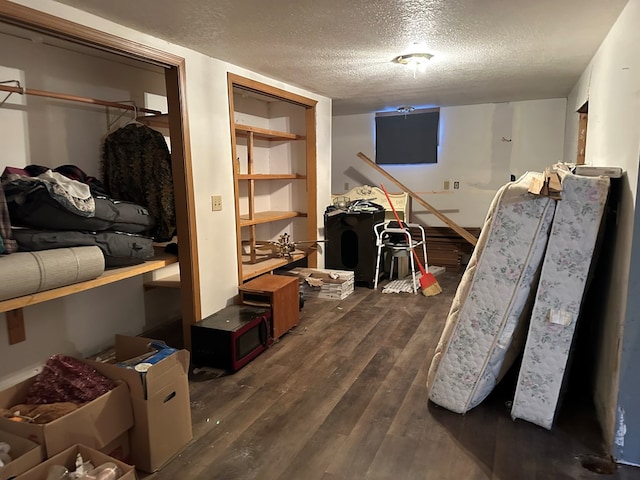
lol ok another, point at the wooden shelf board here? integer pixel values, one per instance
(170, 281)
(271, 176)
(266, 134)
(268, 216)
(157, 121)
(109, 276)
(251, 270)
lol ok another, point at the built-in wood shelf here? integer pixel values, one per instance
(268, 264)
(269, 216)
(266, 134)
(14, 306)
(155, 121)
(170, 281)
(271, 176)
(266, 160)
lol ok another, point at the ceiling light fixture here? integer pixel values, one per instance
(413, 59)
(405, 109)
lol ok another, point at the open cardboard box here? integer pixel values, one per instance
(160, 401)
(96, 424)
(68, 457)
(24, 453)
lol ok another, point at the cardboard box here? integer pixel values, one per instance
(25, 454)
(119, 448)
(160, 401)
(95, 424)
(68, 459)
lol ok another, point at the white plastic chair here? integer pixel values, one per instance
(398, 242)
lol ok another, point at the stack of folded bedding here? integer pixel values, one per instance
(56, 211)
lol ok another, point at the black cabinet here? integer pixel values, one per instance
(351, 242)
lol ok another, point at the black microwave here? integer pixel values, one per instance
(231, 338)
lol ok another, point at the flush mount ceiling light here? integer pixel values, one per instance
(413, 59)
(405, 109)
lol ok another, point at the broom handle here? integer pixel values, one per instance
(422, 270)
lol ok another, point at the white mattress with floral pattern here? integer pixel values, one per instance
(486, 324)
(560, 292)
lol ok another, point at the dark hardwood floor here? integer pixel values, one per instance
(343, 396)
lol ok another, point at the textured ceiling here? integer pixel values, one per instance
(484, 50)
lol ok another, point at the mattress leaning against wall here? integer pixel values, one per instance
(560, 293)
(484, 329)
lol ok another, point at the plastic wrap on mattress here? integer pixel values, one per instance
(484, 329)
(560, 292)
(24, 273)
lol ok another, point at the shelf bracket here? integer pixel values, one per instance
(15, 326)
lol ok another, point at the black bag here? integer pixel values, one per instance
(120, 249)
(31, 205)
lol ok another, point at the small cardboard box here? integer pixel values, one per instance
(160, 400)
(94, 424)
(24, 453)
(68, 457)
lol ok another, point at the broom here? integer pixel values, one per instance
(428, 283)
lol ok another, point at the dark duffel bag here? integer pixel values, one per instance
(31, 205)
(119, 248)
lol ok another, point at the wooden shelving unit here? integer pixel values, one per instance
(271, 176)
(14, 306)
(267, 217)
(266, 161)
(155, 121)
(266, 134)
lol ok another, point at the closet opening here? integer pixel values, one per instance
(42, 27)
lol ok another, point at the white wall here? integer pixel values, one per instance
(611, 84)
(57, 326)
(472, 151)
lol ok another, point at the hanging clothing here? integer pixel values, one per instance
(136, 166)
(7, 243)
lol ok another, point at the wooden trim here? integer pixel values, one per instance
(236, 171)
(582, 138)
(15, 326)
(269, 90)
(312, 184)
(57, 27)
(184, 200)
(181, 155)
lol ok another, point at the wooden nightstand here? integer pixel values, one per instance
(278, 292)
